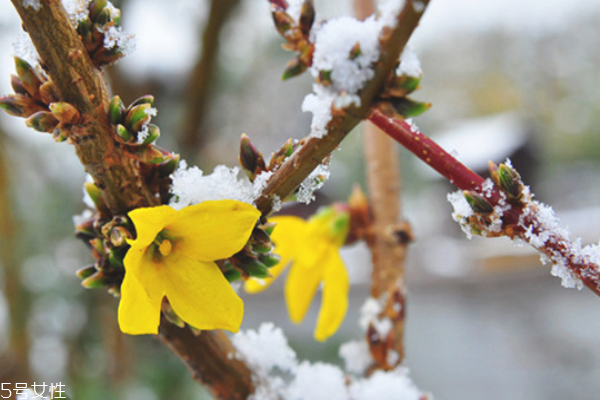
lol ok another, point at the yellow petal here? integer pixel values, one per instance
(300, 288)
(139, 308)
(149, 222)
(213, 230)
(200, 294)
(334, 303)
(256, 285)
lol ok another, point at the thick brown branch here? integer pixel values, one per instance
(210, 358)
(199, 83)
(289, 176)
(78, 82)
(117, 173)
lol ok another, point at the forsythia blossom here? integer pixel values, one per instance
(312, 249)
(173, 256)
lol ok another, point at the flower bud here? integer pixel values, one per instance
(138, 116)
(29, 77)
(65, 112)
(408, 108)
(42, 121)
(86, 272)
(478, 203)
(48, 93)
(95, 7)
(256, 268)
(269, 260)
(16, 85)
(307, 17)
(123, 133)
(250, 158)
(116, 110)
(96, 281)
(145, 99)
(294, 67)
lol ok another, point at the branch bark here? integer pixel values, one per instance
(116, 171)
(291, 174)
(388, 239)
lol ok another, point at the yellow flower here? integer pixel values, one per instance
(173, 257)
(312, 248)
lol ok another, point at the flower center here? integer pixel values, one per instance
(165, 247)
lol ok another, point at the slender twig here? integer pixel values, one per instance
(200, 80)
(291, 174)
(388, 249)
(523, 220)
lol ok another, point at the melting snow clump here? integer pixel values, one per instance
(35, 4)
(356, 356)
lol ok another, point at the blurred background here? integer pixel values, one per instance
(516, 78)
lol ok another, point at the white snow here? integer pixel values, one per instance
(409, 64)
(390, 385)
(265, 348)
(35, 4)
(191, 186)
(356, 356)
(318, 381)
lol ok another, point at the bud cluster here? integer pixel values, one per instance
(490, 217)
(297, 34)
(107, 238)
(98, 32)
(36, 99)
(393, 100)
(255, 259)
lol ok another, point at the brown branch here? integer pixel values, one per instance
(291, 174)
(200, 81)
(116, 172)
(78, 82)
(209, 357)
(388, 239)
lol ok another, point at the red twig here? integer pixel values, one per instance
(428, 151)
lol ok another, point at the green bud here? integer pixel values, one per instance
(408, 108)
(28, 76)
(116, 110)
(168, 166)
(16, 85)
(269, 260)
(42, 121)
(145, 99)
(153, 134)
(283, 22)
(123, 133)
(294, 67)
(86, 272)
(510, 182)
(115, 258)
(233, 275)
(48, 93)
(268, 227)
(402, 85)
(324, 77)
(96, 6)
(478, 204)
(138, 116)
(96, 281)
(307, 17)
(261, 242)
(108, 15)
(65, 112)
(256, 269)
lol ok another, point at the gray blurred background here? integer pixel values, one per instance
(518, 78)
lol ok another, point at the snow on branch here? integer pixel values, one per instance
(503, 206)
